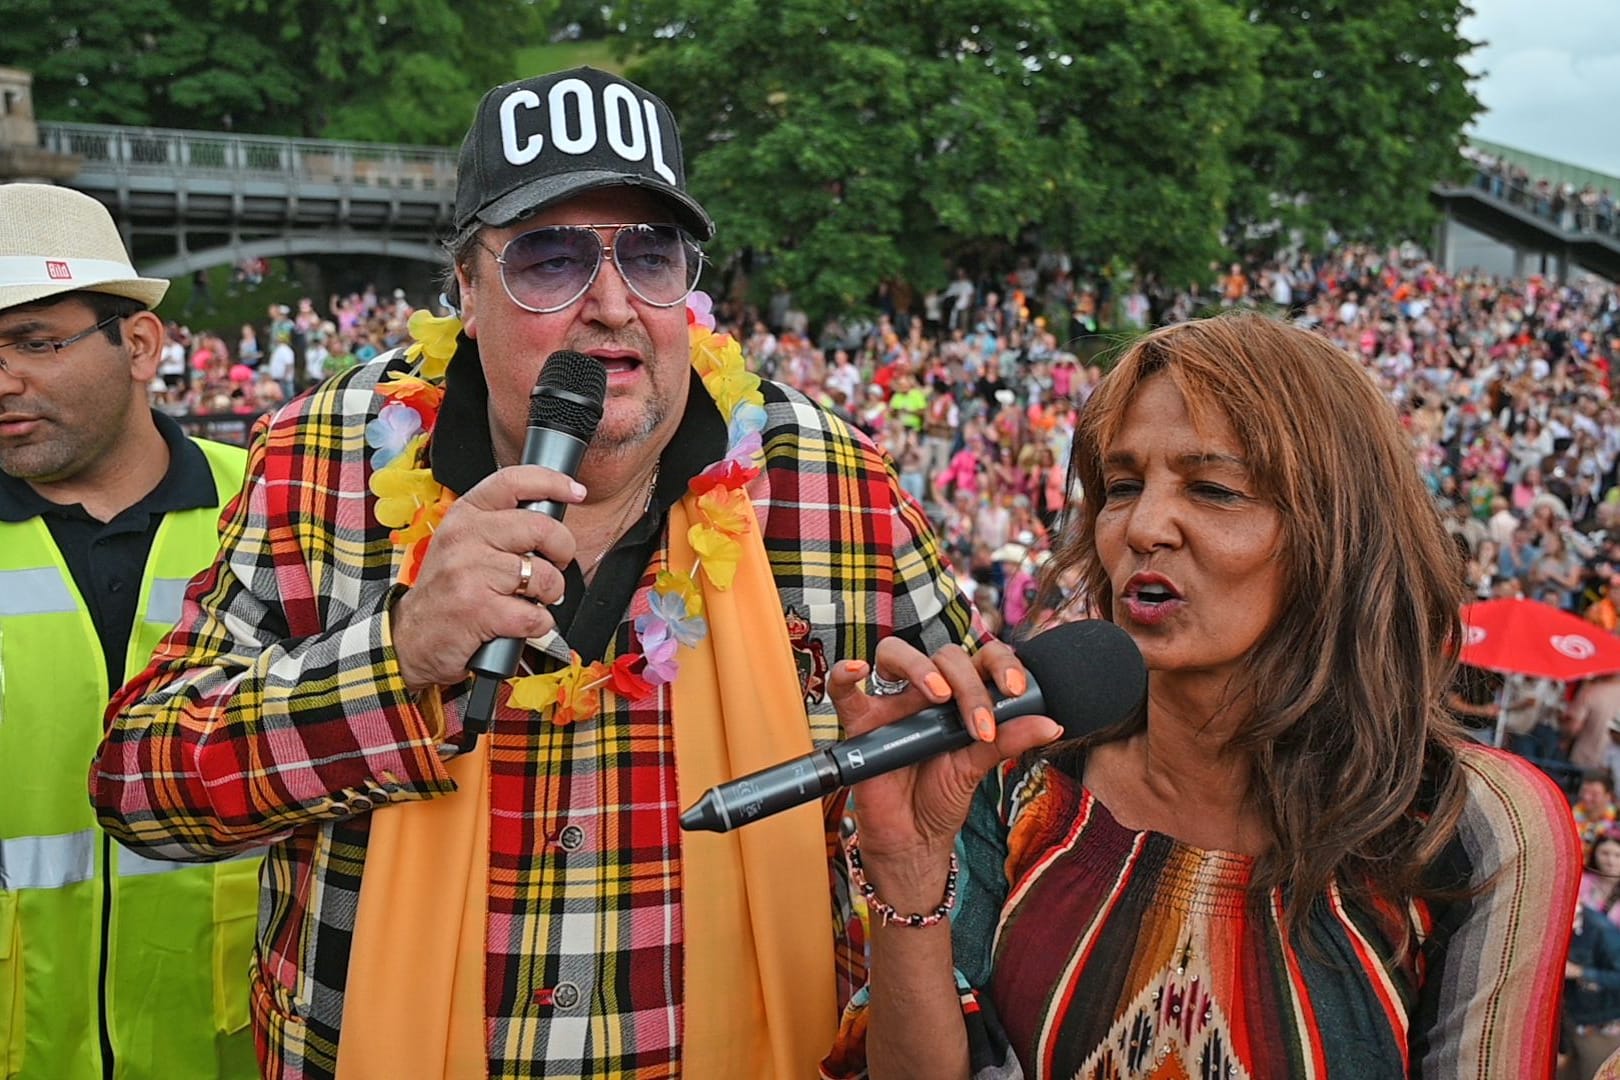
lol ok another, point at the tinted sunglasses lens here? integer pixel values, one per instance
(660, 262)
(548, 268)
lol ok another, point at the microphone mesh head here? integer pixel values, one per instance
(1090, 673)
(568, 395)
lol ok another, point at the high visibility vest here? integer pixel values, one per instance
(180, 935)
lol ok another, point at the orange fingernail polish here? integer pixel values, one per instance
(984, 723)
(854, 667)
(1016, 683)
(937, 685)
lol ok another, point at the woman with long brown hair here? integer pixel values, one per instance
(1290, 862)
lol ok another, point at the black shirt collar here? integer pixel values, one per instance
(461, 453)
(188, 483)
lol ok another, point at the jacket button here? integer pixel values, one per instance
(572, 838)
(566, 996)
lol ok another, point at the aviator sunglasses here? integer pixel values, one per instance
(546, 269)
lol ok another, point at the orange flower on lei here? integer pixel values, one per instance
(574, 693)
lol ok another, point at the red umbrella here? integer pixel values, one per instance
(1527, 637)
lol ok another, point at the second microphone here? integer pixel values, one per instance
(1085, 675)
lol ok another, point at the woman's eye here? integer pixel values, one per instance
(1217, 492)
(1120, 489)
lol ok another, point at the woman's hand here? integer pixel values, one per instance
(917, 811)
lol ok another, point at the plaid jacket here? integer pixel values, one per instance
(276, 714)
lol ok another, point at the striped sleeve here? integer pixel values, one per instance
(277, 700)
(1489, 1006)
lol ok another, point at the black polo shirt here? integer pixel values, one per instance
(588, 614)
(108, 559)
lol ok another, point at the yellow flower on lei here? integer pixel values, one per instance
(575, 691)
(731, 388)
(708, 348)
(425, 520)
(401, 489)
(435, 342)
(726, 514)
(683, 585)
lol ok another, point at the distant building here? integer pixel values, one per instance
(21, 157)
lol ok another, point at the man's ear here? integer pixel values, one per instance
(143, 336)
(467, 301)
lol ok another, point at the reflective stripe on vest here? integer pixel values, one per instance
(47, 862)
(51, 862)
(163, 602)
(40, 591)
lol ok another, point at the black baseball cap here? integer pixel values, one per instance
(540, 140)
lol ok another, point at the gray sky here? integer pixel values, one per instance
(1551, 77)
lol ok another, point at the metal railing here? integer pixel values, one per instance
(430, 171)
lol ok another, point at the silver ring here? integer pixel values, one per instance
(878, 686)
(525, 575)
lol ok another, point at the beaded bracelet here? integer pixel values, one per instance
(886, 911)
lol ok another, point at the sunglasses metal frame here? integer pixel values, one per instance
(606, 249)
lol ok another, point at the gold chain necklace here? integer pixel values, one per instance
(624, 522)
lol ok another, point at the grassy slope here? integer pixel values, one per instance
(540, 59)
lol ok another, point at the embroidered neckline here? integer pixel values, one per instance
(411, 502)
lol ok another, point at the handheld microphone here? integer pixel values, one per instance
(1085, 675)
(564, 408)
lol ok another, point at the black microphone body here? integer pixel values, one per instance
(1066, 659)
(564, 408)
(935, 730)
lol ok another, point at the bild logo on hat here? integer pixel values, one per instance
(540, 140)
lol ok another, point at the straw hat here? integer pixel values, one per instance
(1013, 553)
(56, 240)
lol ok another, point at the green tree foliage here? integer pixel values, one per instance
(840, 144)
(382, 70)
(1365, 102)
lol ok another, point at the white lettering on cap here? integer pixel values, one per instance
(657, 140)
(531, 147)
(585, 141)
(630, 132)
(624, 131)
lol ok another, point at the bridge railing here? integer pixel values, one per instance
(168, 152)
(1581, 212)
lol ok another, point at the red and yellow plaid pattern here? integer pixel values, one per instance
(276, 714)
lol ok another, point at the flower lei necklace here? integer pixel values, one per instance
(412, 504)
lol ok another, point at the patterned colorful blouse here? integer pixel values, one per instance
(1086, 949)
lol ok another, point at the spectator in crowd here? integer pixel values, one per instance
(1595, 810)
(110, 963)
(1600, 883)
(1591, 992)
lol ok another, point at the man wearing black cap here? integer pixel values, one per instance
(524, 904)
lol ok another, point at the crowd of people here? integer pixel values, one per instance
(259, 365)
(1502, 385)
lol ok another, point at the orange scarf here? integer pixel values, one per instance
(759, 989)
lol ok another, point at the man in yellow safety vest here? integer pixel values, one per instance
(111, 964)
